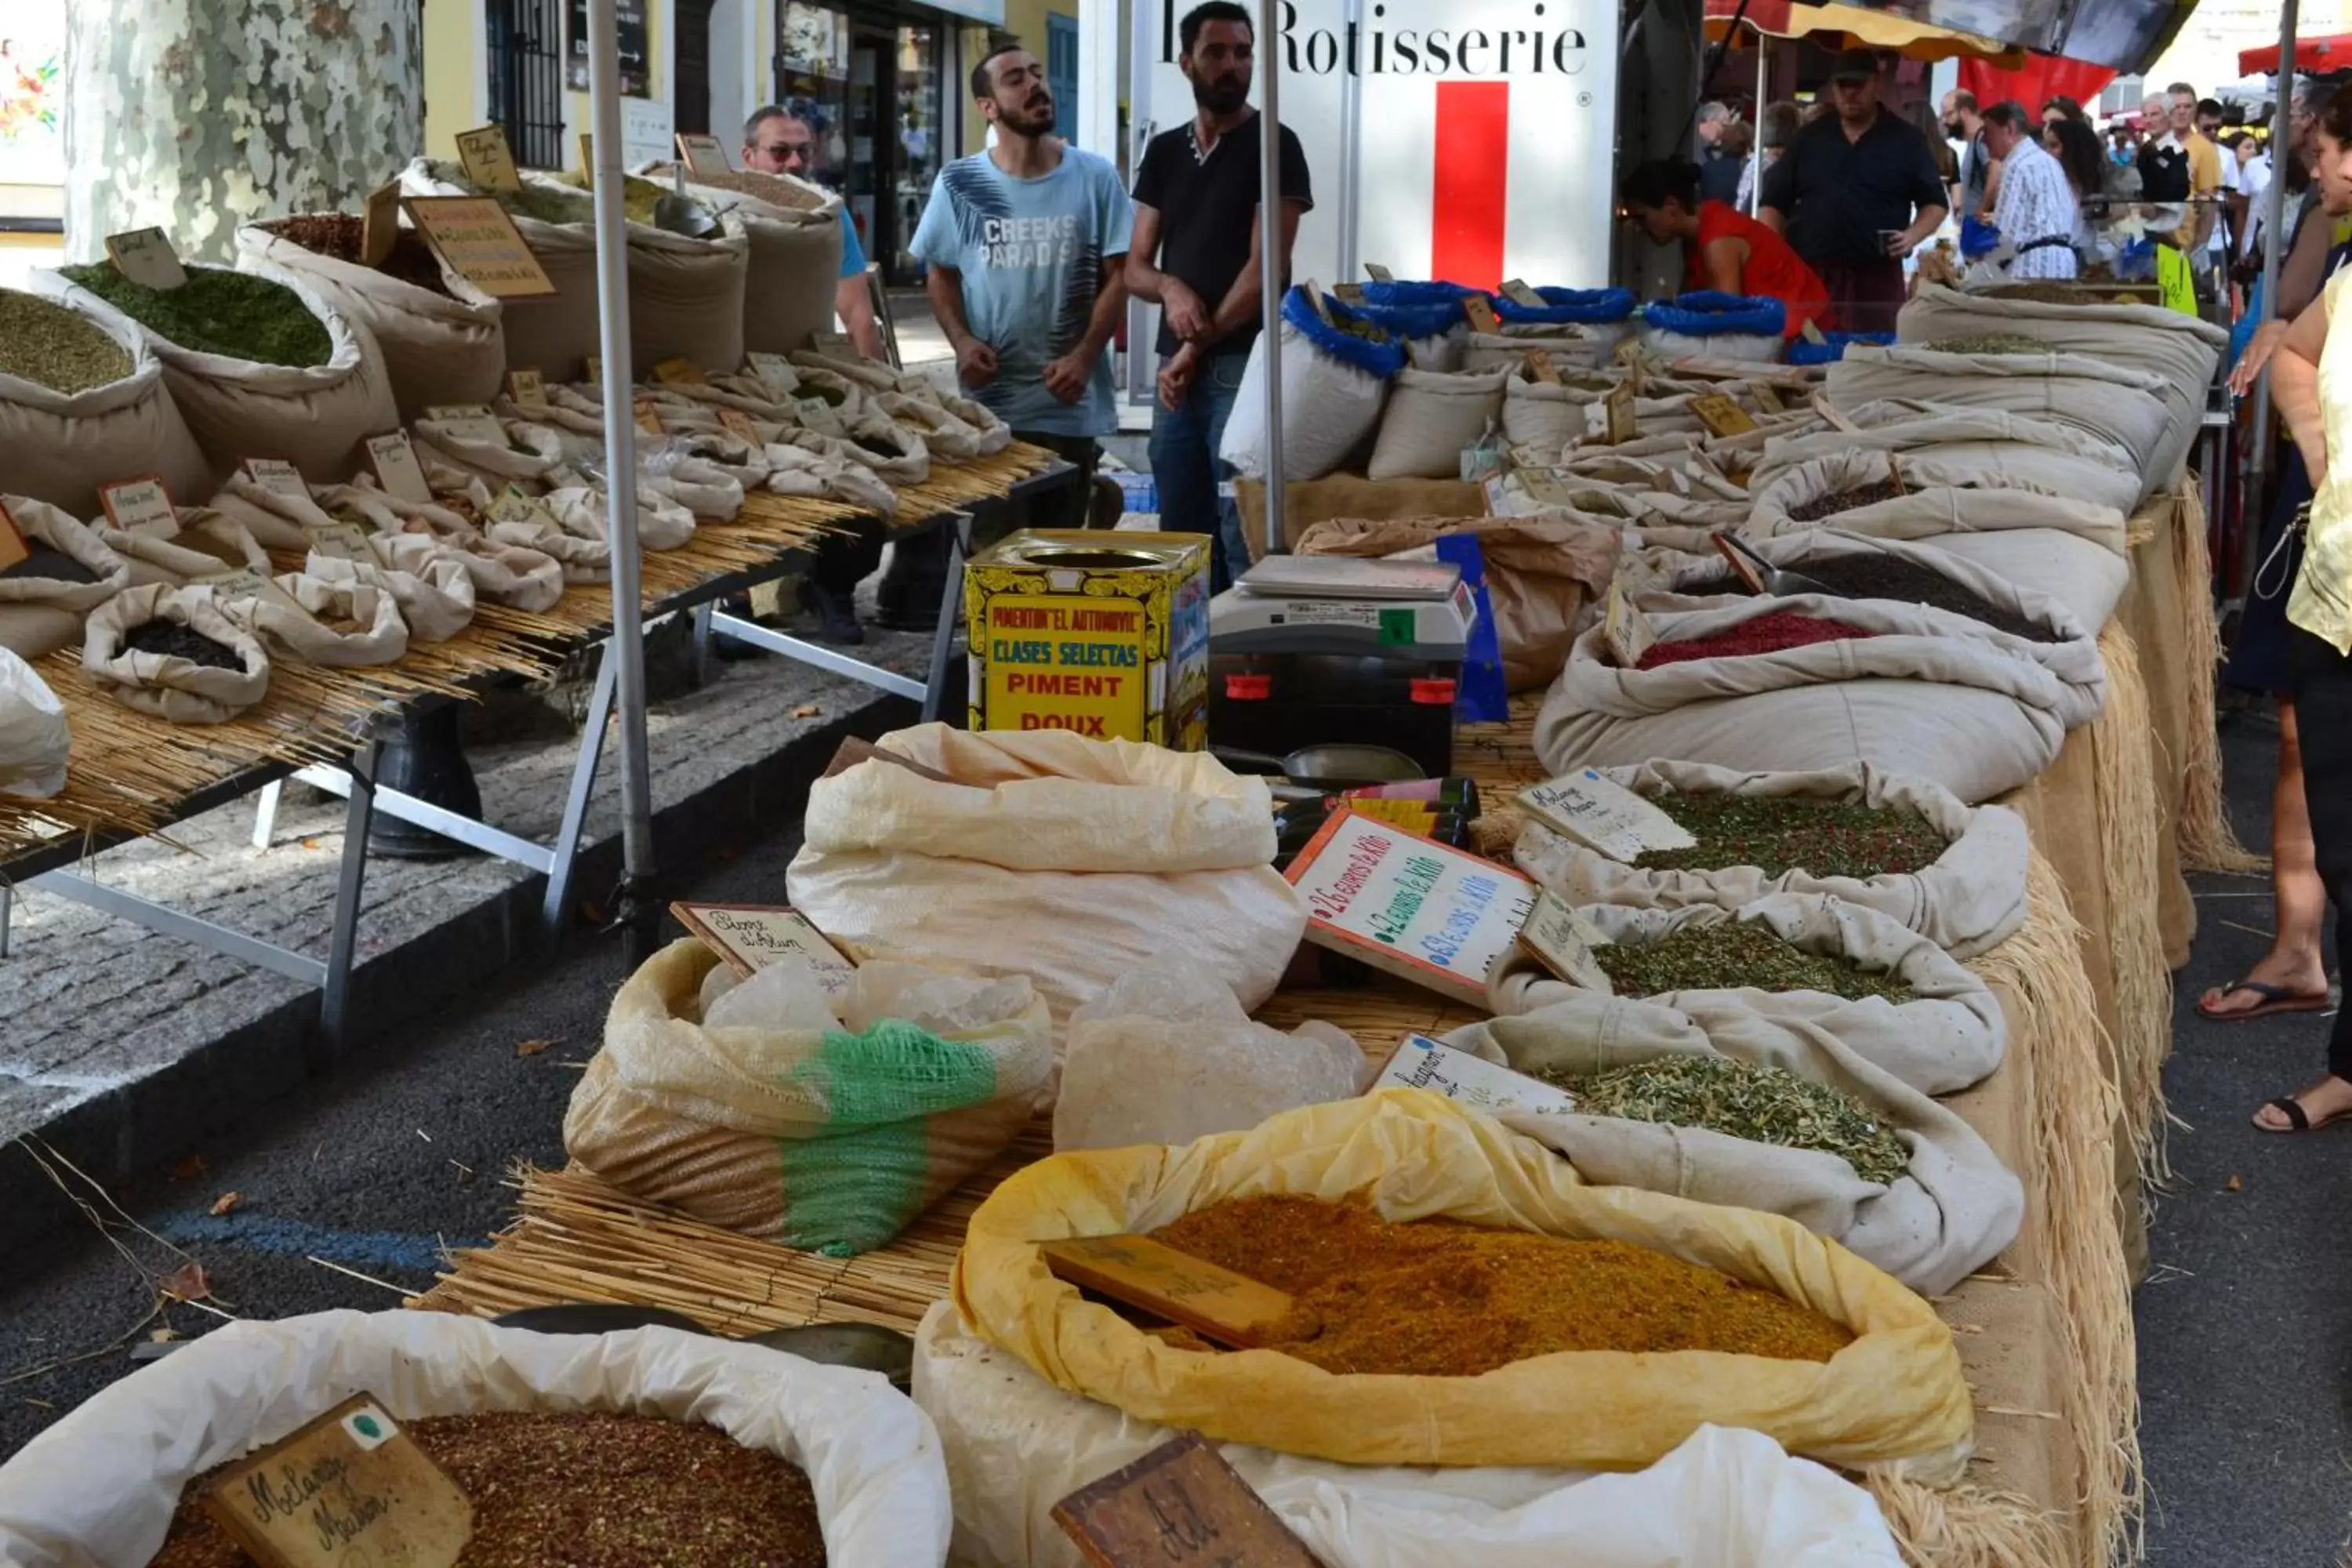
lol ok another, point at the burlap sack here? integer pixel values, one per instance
(797, 468)
(438, 347)
(1952, 1210)
(1953, 446)
(1333, 388)
(1983, 504)
(1967, 901)
(2181, 351)
(450, 458)
(1309, 501)
(203, 543)
(832, 1142)
(947, 435)
(910, 466)
(685, 297)
(336, 622)
(675, 471)
(793, 260)
(1963, 711)
(869, 375)
(171, 688)
(554, 334)
(1895, 1395)
(2120, 404)
(1431, 418)
(436, 596)
(1069, 860)
(41, 615)
(1571, 345)
(1541, 573)
(58, 447)
(1949, 1035)
(504, 573)
(313, 416)
(2073, 658)
(2088, 579)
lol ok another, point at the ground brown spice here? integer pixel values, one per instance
(339, 235)
(1438, 1298)
(590, 1491)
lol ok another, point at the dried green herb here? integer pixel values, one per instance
(233, 314)
(1744, 1100)
(46, 343)
(1731, 953)
(1779, 834)
(1990, 343)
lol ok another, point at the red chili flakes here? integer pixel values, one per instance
(1763, 633)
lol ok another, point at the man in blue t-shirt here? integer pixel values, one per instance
(1026, 247)
(785, 141)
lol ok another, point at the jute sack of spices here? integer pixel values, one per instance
(2088, 579)
(554, 334)
(1925, 508)
(1894, 1394)
(1723, 1498)
(313, 416)
(830, 1141)
(795, 235)
(439, 346)
(99, 1486)
(1431, 418)
(338, 623)
(411, 537)
(1964, 711)
(59, 447)
(1951, 1211)
(1069, 860)
(1542, 571)
(1334, 383)
(1948, 1033)
(40, 615)
(1953, 446)
(1967, 901)
(170, 687)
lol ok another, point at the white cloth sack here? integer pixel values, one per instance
(42, 615)
(298, 633)
(948, 435)
(798, 467)
(1968, 900)
(504, 573)
(35, 742)
(59, 447)
(1726, 1498)
(1329, 407)
(1984, 504)
(2088, 579)
(1571, 345)
(98, 1489)
(435, 595)
(204, 542)
(1069, 860)
(662, 523)
(1952, 1212)
(1952, 446)
(1948, 1035)
(313, 416)
(2181, 351)
(437, 348)
(2120, 404)
(525, 457)
(171, 688)
(554, 334)
(1431, 418)
(1666, 344)
(685, 297)
(1962, 710)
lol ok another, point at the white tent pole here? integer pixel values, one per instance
(1756, 141)
(2258, 447)
(1271, 281)
(626, 647)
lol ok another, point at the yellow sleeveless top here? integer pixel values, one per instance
(2322, 600)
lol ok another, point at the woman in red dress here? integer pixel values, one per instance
(1724, 248)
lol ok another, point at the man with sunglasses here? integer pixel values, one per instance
(1856, 191)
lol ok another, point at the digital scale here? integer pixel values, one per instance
(1310, 649)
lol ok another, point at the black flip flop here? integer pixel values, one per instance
(2276, 999)
(2298, 1120)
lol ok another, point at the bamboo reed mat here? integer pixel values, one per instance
(130, 772)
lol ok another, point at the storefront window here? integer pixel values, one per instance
(874, 89)
(919, 135)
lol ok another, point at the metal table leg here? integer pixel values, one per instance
(575, 802)
(702, 643)
(935, 693)
(265, 815)
(343, 942)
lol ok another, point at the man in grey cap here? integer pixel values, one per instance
(1856, 193)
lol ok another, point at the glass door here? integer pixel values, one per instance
(916, 157)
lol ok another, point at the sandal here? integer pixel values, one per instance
(2275, 999)
(2298, 1120)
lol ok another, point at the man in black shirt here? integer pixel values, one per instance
(1856, 193)
(1195, 254)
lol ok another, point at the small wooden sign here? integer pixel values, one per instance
(1539, 365)
(468, 422)
(680, 371)
(1420, 1062)
(527, 388)
(853, 751)
(739, 424)
(145, 256)
(1519, 293)
(1562, 940)
(1812, 334)
(396, 468)
(1377, 273)
(1348, 293)
(1625, 628)
(1768, 397)
(487, 159)
(775, 372)
(349, 1488)
(475, 238)
(1720, 415)
(278, 476)
(1481, 312)
(139, 506)
(1834, 415)
(380, 224)
(588, 158)
(648, 416)
(751, 937)
(1617, 410)
(1603, 816)
(1179, 1506)
(1750, 578)
(594, 367)
(1215, 1303)
(14, 550)
(703, 154)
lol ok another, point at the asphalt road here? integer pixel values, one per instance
(2245, 1322)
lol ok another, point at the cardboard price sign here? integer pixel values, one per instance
(1519, 293)
(1617, 410)
(1540, 364)
(468, 422)
(349, 1488)
(1603, 816)
(648, 416)
(1720, 415)
(1424, 1063)
(14, 550)
(738, 424)
(703, 154)
(527, 388)
(278, 476)
(139, 506)
(751, 937)
(475, 238)
(340, 540)
(1377, 273)
(1348, 293)
(1562, 940)
(145, 256)
(775, 372)
(1179, 1506)
(1626, 629)
(515, 504)
(680, 371)
(380, 224)
(487, 159)
(1214, 1302)
(396, 468)
(1481, 312)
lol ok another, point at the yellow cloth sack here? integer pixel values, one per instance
(1896, 1393)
